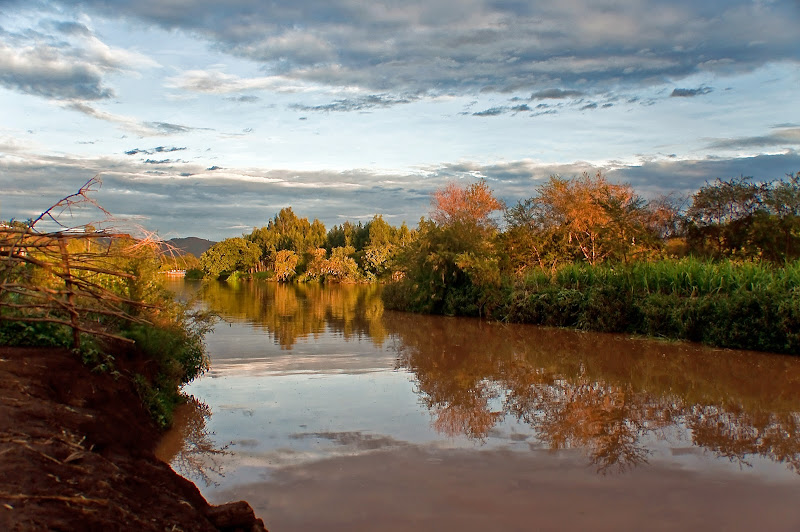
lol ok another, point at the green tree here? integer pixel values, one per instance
(452, 267)
(721, 215)
(232, 254)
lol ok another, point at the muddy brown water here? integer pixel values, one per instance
(325, 411)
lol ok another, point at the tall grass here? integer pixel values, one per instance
(729, 304)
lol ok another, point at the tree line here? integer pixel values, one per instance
(471, 237)
(292, 248)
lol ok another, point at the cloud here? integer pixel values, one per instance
(45, 71)
(244, 98)
(372, 101)
(784, 137)
(69, 64)
(494, 111)
(688, 93)
(126, 122)
(686, 176)
(539, 110)
(430, 47)
(164, 161)
(157, 149)
(167, 128)
(172, 199)
(216, 82)
(555, 94)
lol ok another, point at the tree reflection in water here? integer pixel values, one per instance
(602, 393)
(189, 447)
(293, 311)
(606, 394)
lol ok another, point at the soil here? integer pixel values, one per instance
(76, 453)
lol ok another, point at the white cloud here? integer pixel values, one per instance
(216, 82)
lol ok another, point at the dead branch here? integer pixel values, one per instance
(44, 278)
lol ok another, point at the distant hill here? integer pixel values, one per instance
(192, 244)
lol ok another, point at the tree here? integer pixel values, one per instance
(585, 218)
(286, 231)
(721, 214)
(284, 264)
(472, 204)
(452, 266)
(232, 254)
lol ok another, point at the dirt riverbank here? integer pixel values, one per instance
(76, 453)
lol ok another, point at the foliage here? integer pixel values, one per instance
(284, 264)
(586, 218)
(452, 266)
(746, 219)
(728, 304)
(471, 205)
(232, 254)
(86, 288)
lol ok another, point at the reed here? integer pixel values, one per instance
(738, 304)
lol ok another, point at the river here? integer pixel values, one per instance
(326, 412)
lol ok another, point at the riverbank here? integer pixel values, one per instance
(76, 453)
(732, 304)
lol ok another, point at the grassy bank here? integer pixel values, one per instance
(742, 305)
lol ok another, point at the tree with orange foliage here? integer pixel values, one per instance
(585, 218)
(472, 204)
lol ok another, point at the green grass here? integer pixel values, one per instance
(744, 305)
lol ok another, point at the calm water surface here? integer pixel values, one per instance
(326, 412)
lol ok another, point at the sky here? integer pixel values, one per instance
(205, 118)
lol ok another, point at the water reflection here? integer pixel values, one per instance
(609, 395)
(293, 311)
(189, 447)
(615, 398)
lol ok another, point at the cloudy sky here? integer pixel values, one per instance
(205, 117)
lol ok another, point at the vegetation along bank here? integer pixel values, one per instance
(719, 266)
(93, 352)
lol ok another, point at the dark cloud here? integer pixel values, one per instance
(555, 94)
(687, 176)
(589, 106)
(163, 161)
(71, 28)
(46, 71)
(465, 46)
(157, 149)
(372, 101)
(494, 111)
(244, 98)
(688, 93)
(61, 60)
(782, 138)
